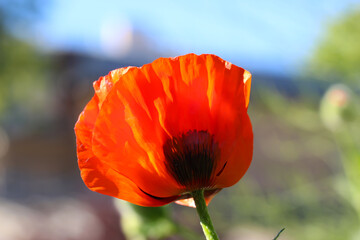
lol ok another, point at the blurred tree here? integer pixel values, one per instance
(22, 76)
(338, 53)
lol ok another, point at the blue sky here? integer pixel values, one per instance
(274, 36)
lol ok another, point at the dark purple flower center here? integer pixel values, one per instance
(191, 159)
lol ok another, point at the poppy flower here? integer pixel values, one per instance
(153, 134)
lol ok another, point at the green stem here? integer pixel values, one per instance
(204, 216)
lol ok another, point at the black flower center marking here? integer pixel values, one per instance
(191, 159)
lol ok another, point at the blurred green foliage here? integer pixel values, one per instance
(144, 223)
(338, 53)
(23, 86)
(340, 112)
(338, 59)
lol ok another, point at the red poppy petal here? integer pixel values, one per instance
(185, 106)
(103, 86)
(98, 176)
(204, 93)
(86, 121)
(238, 156)
(128, 135)
(160, 100)
(103, 179)
(247, 87)
(229, 92)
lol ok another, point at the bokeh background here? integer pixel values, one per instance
(305, 61)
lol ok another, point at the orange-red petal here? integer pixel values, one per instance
(237, 155)
(97, 175)
(122, 131)
(229, 91)
(105, 180)
(185, 104)
(128, 135)
(207, 93)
